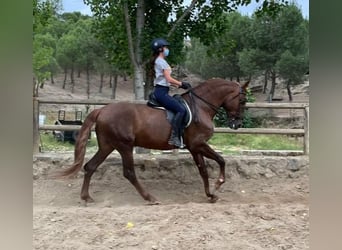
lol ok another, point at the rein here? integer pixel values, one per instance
(212, 106)
(194, 106)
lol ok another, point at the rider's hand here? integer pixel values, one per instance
(185, 85)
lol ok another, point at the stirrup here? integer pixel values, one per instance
(175, 141)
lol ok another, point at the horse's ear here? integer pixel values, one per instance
(245, 85)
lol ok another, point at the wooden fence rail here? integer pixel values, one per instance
(300, 132)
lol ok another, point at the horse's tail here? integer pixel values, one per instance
(80, 146)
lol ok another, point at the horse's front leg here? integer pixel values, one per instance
(208, 152)
(198, 158)
(205, 150)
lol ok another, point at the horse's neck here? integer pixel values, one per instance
(216, 93)
(212, 95)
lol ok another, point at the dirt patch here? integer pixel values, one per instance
(254, 211)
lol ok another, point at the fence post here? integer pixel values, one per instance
(306, 131)
(36, 139)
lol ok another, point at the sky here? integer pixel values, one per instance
(78, 5)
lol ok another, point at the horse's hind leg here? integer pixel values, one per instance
(129, 173)
(90, 168)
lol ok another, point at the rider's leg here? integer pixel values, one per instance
(170, 103)
(177, 129)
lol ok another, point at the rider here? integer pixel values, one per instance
(162, 81)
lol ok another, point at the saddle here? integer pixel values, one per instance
(153, 103)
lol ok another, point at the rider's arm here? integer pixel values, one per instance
(170, 79)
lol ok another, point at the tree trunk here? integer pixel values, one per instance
(288, 87)
(72, 80)
(36, 137)
(115, 83)
(265, 82)
(51, 78)
(65, 77)
(182, 17)
(271, 94)
(101, 83)
(135, 51)
(88, 82)
(139, 83)
(35, 87)
(110, 80)
(79, 73)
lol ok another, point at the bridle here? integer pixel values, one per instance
(241, 100)
(212, 106)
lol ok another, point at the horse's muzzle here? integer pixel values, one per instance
(234, 123)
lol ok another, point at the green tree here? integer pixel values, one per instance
(42, 56)
(43, 10)
(228, 43)
(141, 20)
(197, 57)
(89, 48)
(43, 50)
(49, 41)
(67, 54)
(56, 27)
(110, 31)
(246, 63)
(271, 37)
(292, 69)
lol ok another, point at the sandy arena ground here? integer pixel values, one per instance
(255, 213)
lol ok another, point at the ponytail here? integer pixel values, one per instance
(152, 72)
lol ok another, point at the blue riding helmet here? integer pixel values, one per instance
(159, 43)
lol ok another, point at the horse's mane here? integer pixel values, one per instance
(209, 84)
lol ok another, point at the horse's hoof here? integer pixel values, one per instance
(213, 199)
(218, 183)
(154, 203)
(87, 199)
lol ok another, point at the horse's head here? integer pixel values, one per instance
(234, 104)
(217, 92)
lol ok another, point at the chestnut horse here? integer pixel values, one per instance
(123, 125)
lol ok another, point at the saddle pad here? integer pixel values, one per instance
(169, 114)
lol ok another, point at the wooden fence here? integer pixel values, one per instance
(37, 102)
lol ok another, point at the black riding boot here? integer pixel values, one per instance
(177, 129)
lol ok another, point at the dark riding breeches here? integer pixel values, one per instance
(162, 95)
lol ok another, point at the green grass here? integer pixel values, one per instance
(233, 143)
(49, 143)
(227, 143)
